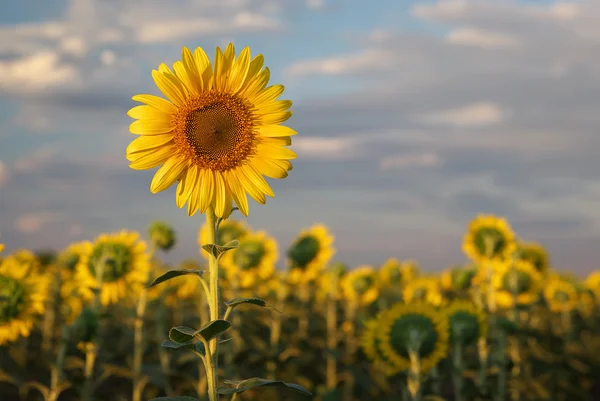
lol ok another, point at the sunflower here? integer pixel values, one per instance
(458, 279)
(489, 237)
(360, 285)
(535, 254)
(467, 322)
(560, 295)
(23, 294)
(310, 253)
(218, 133)
(229, 230)
(126, 266)
(1, 248)
(329, 283)
(26, 260)
(593, 282)
(414, 328)
(254, 259)
(371, 347)
(423, 289)
(516, 282)
(390, 275)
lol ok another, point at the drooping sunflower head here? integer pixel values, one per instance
(329, 283)
(310, 253)
(535, 254)
(162, 235)
(116, 262)
(560, 295)
(370, 344)
(69, 258)
(218, 133)
(360, 285)
(467, 322)
(517, 283)
(425, 289)
(22, 298)
(458, 279)
(26, 260)
(229, 230)
(413, 328)
(253, 260)
(390, 274)
(489, 237)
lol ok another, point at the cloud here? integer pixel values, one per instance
(410, 160)
(325, 148)
(474, 115)
(467, 36)
(33, 222)
(367, 60)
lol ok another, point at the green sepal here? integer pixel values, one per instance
(172, 274)
(196, 346)
(177, 398)
(212, 329)
(218, 250)
(182, 334)
(241, 386)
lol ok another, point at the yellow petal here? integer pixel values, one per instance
(275, 118)
(268, 95)
(269, 168)
(204, 67)
(239, 70)
(150, 127)
(258, 181)
(279, 141)
(256, 85)
(194, 199)
(187, 184)
(219, 200)
(276, 152)
(152, 158)
(247, 182)
(272, 131)
(171, 87)
(168, 173)
(183, 75)
(146, 143)
(207, 183)
(192, 69)
(156, 102)
(255, 66)
(278, 106)
(237, 191)
(148, 113)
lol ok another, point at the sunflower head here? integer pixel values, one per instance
(162, 235)
(218, 134)
(360, 285)
(489, 237)
(517, 283)
(69, 258)
(329, 283)
(560, 295)
(467, 322)
(426, 289)
(229, 230)
(253, 260)
(458, 279)
(535, 254)
(370, 344)
(26, 260)
(413, 328)
(310, 253)
(390, 274)
(118, 262)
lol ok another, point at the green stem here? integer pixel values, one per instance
(457, 372)
(332, 338)
(350, 350)
(56, 379)
(501, 387)
(275, 335)
(414, 377)
(213, 269)
(163, 355)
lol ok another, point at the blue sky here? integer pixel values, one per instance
(412, 117)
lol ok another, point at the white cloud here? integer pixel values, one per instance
(471, 36)
(316, 4)
(74, 45)
(35, 160)
(325, 148)
(33, 222)
(108, 57)
(348, 64)
(429, 159)
(473, 115)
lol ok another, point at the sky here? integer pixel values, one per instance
(412, 118)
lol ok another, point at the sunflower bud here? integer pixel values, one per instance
(162, 235)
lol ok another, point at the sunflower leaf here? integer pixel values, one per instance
(212, 329)
(258, 382)
(172, 274)
(238, 301)
(182, 334)
(218, 250)
(195, 346)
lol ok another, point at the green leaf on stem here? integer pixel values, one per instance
(255, 382)
(172, 274)
(182, 334)
(218, 250)
(195, 346)
(212, 329)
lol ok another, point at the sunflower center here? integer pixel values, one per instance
(228, 233)
(413, 333)
(497, 238)
(362, 284)
(215, 131)
(12, 298)
(70, 261)
(464, 328)
(516, 281)
(117, 260)
(304, 251)
(249, 254)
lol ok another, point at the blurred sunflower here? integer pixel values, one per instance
(360, 285)
(26, 260)
(69, 258)
(390, 275)
(371, 347)
(126, 266)
(310, 253)
(516, 282)
(329, 283)
(587, 301)
(410, 270)
(274, 289)
(425, 289)
(413, 328)
(535, 254)
(560, 295)
(253, 260)
(458, 279)
(229, 230)
(1, 248)
(467, 322)
(489, 237)
(217, 135)
(593, 282)
(185, 288)
(22, 296)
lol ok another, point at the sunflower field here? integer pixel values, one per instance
(108, 320)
